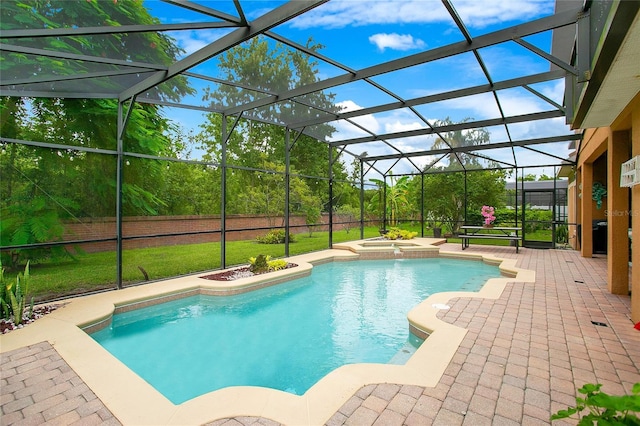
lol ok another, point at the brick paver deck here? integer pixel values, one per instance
(523, 358)
(38, 387)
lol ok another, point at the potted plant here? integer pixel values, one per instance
(598, 192)
(437, 232)
(436, 226)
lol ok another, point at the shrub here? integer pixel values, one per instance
(14, 295)
(262, 264)
(259, 264)
(275, 236)
(399, 234)
(603, 409)
(562, 234)
(277, 264)
(538, 220)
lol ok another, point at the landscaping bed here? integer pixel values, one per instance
(237, 273)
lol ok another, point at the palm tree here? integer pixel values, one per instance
(396, 196)
(458, 139)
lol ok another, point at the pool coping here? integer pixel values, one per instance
(134, 401)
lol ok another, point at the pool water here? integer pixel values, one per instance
(287, 336)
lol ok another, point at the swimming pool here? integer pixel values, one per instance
(288, 336)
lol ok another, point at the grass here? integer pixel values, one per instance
(540, 235)
(95, 271)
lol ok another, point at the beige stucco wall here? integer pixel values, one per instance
(601, 154)
(635, 208)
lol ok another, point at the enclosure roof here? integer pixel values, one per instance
(399, 84)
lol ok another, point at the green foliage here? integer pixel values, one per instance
(277, 264)
(253, 144)
(504, 217)
(90, 123)
(29, 221)
(599, 191)
(312, 216)
(149, 46)
(562, 234)
(350, 216)
(263, 263)
(14, 295)
(458, 139)
(274, 236)
(399, 234)
(396, 194)
(444, 196)
(259, 264)
(537, 220)
(603, 409)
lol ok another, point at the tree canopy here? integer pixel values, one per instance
(258, 143)
(79, 183)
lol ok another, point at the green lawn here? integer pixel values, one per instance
(95, 271)
(540, 235)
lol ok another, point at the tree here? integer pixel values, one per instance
(444, 187)
(530, 177)
(350, 216)
(397, 202)
(188, 188)
(150, 47)
(444, 195)
(90, 123)
(459, 139)
(253, 69)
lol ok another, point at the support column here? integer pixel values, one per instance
(287, 188)
(635, 216)
(330, 197)
(586, 215)
(223, 192)
(119, 185)
(618, 151)
(361, 199)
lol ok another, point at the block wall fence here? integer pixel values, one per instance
(204, 229)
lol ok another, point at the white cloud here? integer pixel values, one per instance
(346, 130)
(397, 126)
(554, 91)
(347, 106)
(479, 14)
(192, 41)
(339, 14)
(396, 41)
(476, 14)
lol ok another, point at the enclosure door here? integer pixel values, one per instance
(538, 219)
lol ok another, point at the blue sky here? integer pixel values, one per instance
(360, 33)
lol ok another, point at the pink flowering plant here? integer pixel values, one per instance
(488, 214)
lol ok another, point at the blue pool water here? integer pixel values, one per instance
(287, 336)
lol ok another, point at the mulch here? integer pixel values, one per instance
(6, 325)
(241, 272)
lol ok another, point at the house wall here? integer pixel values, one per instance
(600, 157)
(635, 216)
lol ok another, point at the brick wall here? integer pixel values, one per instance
(206, 229)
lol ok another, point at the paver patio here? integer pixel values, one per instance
(523, 358)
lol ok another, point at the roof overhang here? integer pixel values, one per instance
(615, 69)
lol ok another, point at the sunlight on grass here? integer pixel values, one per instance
(94, 271)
